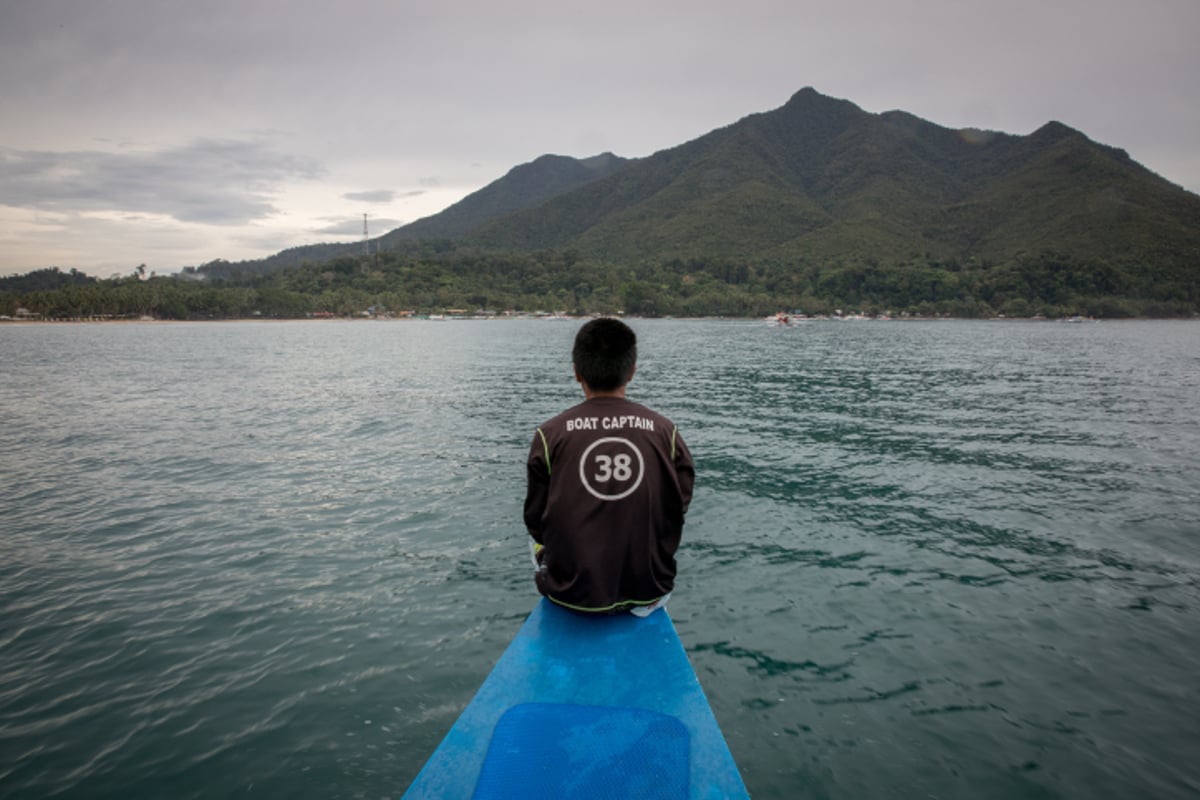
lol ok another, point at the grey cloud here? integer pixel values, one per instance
(353, 227)
(372, 196)
(380, 195)
(266, 241)
(210, 181)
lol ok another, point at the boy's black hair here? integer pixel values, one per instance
(605, 353)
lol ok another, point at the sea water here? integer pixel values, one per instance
(924, 559)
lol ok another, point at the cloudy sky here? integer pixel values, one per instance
(170, 133)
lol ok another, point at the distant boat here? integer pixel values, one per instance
(785, 320)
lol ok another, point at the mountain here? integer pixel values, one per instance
(524, 186)
(814, 204)
(819, 179)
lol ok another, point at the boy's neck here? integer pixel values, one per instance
(592, 394)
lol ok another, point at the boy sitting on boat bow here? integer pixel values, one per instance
(609, 483)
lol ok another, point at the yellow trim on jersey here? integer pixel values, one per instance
(605, 609)
(545, 448)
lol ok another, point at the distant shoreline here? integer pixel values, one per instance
(529, 318)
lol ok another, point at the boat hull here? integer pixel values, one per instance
(579, 703)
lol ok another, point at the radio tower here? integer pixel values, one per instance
(366, 243)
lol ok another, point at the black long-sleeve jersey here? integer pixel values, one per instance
(609, 483)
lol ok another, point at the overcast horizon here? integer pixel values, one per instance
(140, 132)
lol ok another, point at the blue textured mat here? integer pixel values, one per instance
(561, 750)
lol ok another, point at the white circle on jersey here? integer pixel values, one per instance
(604, 468)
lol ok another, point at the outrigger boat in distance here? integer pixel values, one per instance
(585, 707)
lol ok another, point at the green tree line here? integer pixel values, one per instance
(1050, 284)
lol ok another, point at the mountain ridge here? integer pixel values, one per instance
(523, 186)
(821, 178)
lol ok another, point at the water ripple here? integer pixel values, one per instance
(955, 557)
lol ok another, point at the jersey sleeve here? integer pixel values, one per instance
(537, 485)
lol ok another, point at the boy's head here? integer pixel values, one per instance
(605, 354)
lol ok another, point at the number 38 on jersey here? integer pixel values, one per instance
(612, 468)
